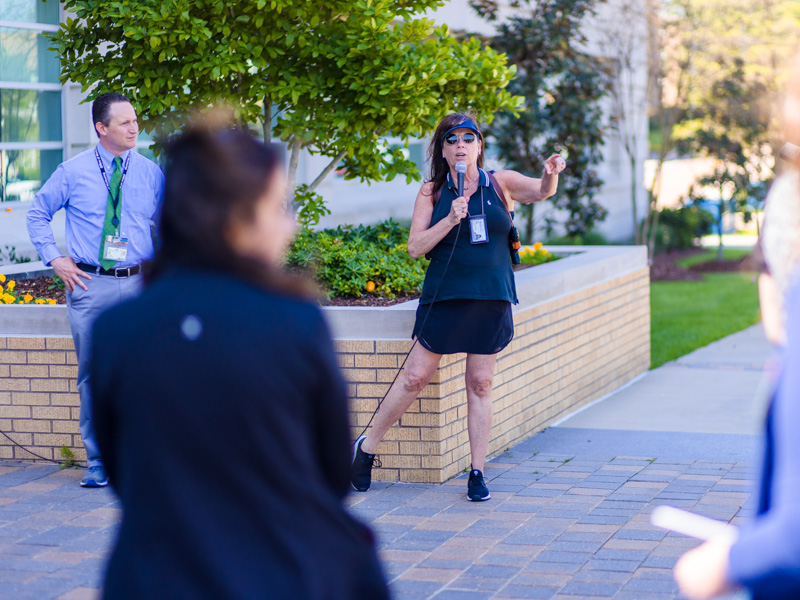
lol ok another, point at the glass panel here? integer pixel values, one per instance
(24, 57)
(416, 153)
(30, 11)
(30, 116)
(22, 172)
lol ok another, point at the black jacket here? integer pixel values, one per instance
(222, 420)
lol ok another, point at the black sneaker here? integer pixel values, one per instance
(476, 487)
(361, 469)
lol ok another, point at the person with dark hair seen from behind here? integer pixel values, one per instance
(468, 288)
(219, 405)
(111, 195)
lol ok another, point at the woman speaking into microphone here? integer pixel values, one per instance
(469, 286)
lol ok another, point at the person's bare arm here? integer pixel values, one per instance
(527, 190)
(422, 237)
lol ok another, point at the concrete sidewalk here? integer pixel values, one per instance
(568, 518)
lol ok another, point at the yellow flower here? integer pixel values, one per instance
(8, 298)
(27, 298)
(11, 285)
(1, 289)
(2, 278)
(537, 246)
(38, 301)
(51, 301)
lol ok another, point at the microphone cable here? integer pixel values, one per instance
(421, 329)
(75, 463)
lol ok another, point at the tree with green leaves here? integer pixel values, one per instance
(333, 78)
(731, 126)
(693, 42)
(563, 86)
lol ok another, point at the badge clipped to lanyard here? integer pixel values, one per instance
(478, 231)
(115, 247)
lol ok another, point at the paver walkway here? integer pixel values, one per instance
(568, 518)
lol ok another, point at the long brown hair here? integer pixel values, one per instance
(216, 173)
(439, 166)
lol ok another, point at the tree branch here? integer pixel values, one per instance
(326, 171)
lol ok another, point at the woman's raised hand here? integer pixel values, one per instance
(458, 210)
(554, 165)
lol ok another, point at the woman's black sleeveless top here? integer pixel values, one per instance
(476, 271)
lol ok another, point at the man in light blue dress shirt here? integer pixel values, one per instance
(83, 186)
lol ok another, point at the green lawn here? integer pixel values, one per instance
(686, 315)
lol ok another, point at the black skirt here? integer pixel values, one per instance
(471, 326)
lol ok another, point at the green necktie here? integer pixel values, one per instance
(109, 228)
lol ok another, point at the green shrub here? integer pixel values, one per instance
(344, 259)
(590, 238)
(679, 228)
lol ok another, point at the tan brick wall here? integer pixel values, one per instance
(565, 354)
(39, 403)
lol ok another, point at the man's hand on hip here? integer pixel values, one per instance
(69, 272)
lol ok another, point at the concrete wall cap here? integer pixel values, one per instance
(583, 266)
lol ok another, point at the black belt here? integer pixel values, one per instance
(120, 273)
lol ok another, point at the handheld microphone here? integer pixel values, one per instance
(461, 168)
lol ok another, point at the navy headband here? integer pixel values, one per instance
(465, 124)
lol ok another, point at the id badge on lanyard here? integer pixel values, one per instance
(478, 230)
(115, 248)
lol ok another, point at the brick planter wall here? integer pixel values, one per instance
(582, 329)
(565, 354)
(39, 402)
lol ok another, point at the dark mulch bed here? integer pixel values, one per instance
(664, 267)
(724, 266)
(369, 300)
(40, 288)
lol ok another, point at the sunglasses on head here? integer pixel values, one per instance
(467, 138)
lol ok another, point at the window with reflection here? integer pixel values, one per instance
(22, 172)
(31, 138)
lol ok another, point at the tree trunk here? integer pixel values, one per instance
(758, 223)
(529, 223)
(651, 242)
(719, 224)
(636, 237)
(291, 176)
(267, 120)
(650, 227)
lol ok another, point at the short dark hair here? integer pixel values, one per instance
(101, 108)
